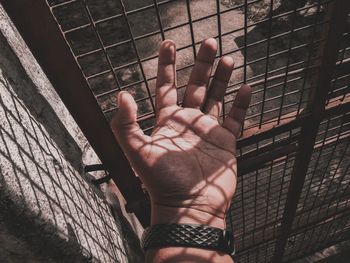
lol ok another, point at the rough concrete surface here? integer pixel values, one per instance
(49, 211)
(39, 79)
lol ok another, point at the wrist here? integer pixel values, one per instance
(185, 215)
(180, 254)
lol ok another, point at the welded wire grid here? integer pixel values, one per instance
(277, 46)
(116, 46)
(258, 208)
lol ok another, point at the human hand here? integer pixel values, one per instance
(188, 164)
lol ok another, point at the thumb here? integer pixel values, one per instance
(124, 125)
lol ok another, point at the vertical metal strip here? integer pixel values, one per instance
(161, 28)
(245, 41)
(288, 61)
(218, 17)
(190, 22)
(308, 63)
(267, 63)
(245, 52)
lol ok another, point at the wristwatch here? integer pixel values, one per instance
(188, 235)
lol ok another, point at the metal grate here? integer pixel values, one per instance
(292, 194)
(116, 44)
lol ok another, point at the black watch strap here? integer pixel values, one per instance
(187, 235)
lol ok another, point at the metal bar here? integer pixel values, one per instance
(267, 58)
(258, 161)
(269, 191)
(288, 60)
(243, 206)
(41, 33)
(245, 45)
(159, 19)
(190, 23)
(338, 13)
(309, 59)
(281, 190)
(245, 51)
(218, 12)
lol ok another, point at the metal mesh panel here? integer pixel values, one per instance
(319, 236)
(341, 80)
(322, 215)
(258, 206)
(262, 252)
(116, 47)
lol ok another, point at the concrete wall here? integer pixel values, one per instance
(49, 210)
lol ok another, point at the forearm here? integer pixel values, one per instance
(180, 254)
(184, 215)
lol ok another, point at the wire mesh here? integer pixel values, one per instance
(116, 46)
(325, 196)
(277, 46)
(258, 205)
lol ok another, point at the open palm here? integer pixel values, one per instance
(188, 164)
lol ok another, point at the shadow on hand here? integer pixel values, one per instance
(188, 168)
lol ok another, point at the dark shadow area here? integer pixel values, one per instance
(24, 238)
(46, 204)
